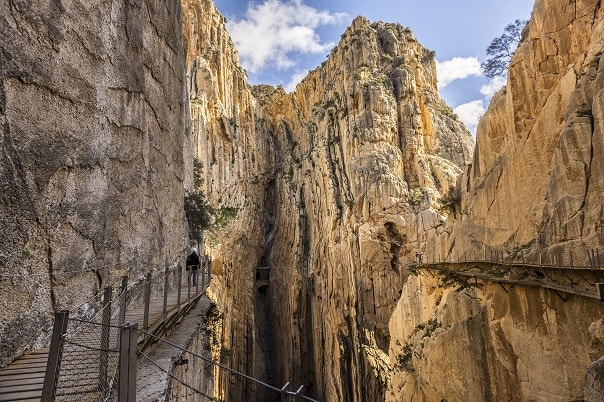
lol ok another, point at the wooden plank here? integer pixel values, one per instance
(21, 381)
(23, 371)
(20, 376)
(20, 396)
(33, 365)
(21, 388)
(28, 362)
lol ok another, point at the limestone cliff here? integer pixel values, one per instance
(337, 185)
(93, 118)
(237, 163)
(534, 187)
(536, 179)
(367, 150)
(333, 187)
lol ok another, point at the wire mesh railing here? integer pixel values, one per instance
(557, 270)
(192, 391)
(87, 350)
(591, 259)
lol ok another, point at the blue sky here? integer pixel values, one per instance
(280, 41)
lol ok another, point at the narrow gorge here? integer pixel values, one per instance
(326, 199)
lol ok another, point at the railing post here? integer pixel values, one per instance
(104, 349)
(179, 279)
(600, 289)
(127, 371)
(197, 279)
(166, 282)
(53, 366)
(123, 300)
(202, 270)
(123, 304)
(147, 301)
(189, 278)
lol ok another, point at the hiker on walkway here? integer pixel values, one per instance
(193, 266)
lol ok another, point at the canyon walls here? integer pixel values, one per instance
(536, 181)
(236, 162)
(534, 189)
(337, 186)
(94, 122)
(333, 190)
(333, 187)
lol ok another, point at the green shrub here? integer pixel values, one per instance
(198, 213)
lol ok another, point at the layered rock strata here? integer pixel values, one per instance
(333, 187)
(534, 190)
(536, 182)
(93, 116)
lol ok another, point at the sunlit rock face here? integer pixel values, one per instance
(534, 189)
(335, 187)
(93, 136)
(536, 181)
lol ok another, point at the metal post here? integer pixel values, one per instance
(147, 301)
(166, 273)
(127, 370)
(197, 279)
(179, 280)
(189, 278)
(600, 289)
(123, 300)
(104, 349)
(53, 366)
(598, 257)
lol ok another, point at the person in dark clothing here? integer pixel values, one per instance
(193, 263)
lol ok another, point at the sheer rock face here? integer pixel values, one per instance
(335, 187)
(236, 161)
(481, 342)
(91, 164)
(536, 182)
(367, 147)
(535, 187)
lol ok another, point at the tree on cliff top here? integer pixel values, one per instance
(502, 49)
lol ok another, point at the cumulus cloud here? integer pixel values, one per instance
(490, 89)
(272, 31)
(457, 68)
(469, 113)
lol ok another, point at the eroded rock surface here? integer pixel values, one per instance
(93, 138)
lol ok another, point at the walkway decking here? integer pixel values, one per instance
(581, 281)
(23, 379)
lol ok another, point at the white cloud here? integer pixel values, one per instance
(469, 113)
(273, 30)
(490, 89)
(295, 80)
(457, 68)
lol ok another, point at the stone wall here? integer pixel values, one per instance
(93, 117)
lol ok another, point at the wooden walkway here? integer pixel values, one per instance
(23, 379)
(580, 281)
